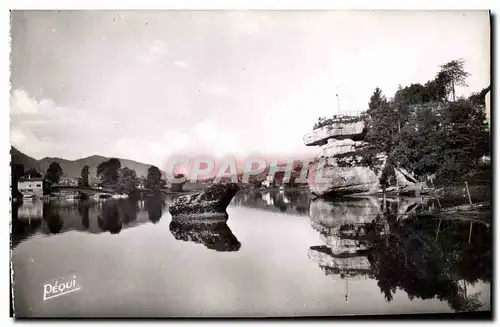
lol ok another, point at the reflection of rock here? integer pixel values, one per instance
(344, 228)
(212, 202)
(332, 263)
(214, 235)
(354, 211)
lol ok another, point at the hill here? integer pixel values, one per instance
(17, 157)
(73, 168)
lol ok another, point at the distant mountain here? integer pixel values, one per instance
(73, 168)
(17, 157)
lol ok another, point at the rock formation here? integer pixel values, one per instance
(342, 168)
(210, 203)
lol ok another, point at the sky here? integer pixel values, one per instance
(146, 85)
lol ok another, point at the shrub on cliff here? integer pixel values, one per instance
(422, 132)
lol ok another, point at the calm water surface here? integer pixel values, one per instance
(279, 254)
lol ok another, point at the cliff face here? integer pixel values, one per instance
(342, 166)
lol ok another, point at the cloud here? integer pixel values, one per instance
(180, 63)
(43, 128)
(215, 89)
(249, 23)
(155, 53)
(204, 137)
(251, 28)
(158, 47)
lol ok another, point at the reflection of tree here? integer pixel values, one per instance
(84, 213)
(425, 267)
(290, 201)
(52, 218)
(423, 256)
(215, 236)
(110, 219)
(155, 206)
(129, 209)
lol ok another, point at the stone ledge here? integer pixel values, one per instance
(336, 130)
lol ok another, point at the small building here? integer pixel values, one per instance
(68, 181)
(268, 182)
(30, 186)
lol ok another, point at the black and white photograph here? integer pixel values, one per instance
(250, 163)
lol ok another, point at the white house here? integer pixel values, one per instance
(268, 182)
(30, 187)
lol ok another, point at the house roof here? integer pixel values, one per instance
(35, 179)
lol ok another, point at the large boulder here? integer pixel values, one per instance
(338, 169)
(346, 164)
(210, 203)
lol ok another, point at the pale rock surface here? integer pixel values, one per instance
(328, 178)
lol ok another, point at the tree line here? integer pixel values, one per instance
(110, 172)
(124, 179)
(427, 130)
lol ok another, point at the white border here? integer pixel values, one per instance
(185, 4)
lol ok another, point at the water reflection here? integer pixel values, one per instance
(213, 235)
(54, 217)
(389, 245)
(291, 201)
(424, 256)
(155, 206)
(110, 218)
(84, 212)
(22, 226)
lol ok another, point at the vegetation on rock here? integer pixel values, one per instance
(421, 130)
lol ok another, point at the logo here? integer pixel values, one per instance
(60, 286)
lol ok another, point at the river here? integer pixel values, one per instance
(279, 254)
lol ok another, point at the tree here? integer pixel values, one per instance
(54, 173)
(108, 171)
(465, 139)
(376, 99)
(452, 74)
(383, 122)
(17, 171)
(127, 181)
(153, 179)
(85, 175)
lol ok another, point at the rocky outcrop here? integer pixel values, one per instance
(345, 164)
(210, 203)
(348, 127)
(213, 235)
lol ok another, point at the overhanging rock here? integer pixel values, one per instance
(352, 128)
